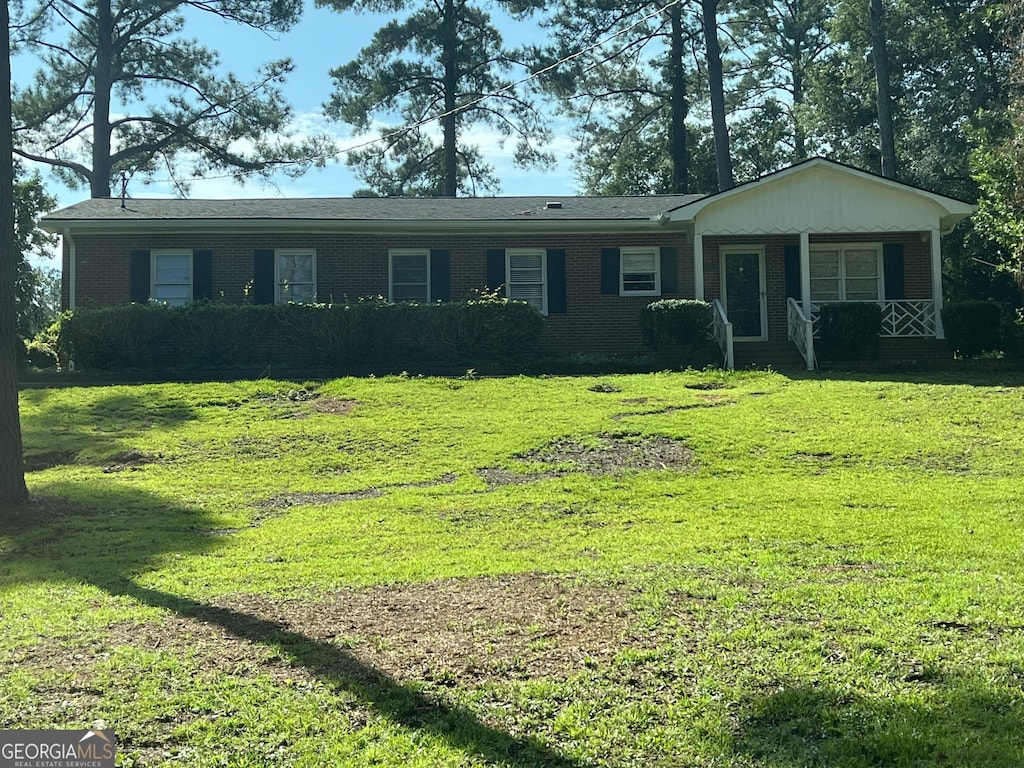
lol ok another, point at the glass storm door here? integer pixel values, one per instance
(744, 291)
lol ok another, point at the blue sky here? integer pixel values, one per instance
(323, 39)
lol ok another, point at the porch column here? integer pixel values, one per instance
(940, 333)
(805, 272)
(698, 266)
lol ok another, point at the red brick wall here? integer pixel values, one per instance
(354, 266)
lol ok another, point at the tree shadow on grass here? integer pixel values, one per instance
(957, 721)
(123, 532)
(96, 423)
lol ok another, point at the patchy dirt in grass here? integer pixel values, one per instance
(706, 401)
(450, 632)
(708, 385)
(129, 460)
(40, 461)
(612, 454)
(330, 405)
(300, 498)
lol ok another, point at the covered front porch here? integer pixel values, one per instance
(767, 255)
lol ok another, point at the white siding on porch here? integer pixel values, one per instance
(823, 200)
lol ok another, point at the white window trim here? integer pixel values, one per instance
(509, 253)
(391, 268)
(153, 257)
(842, 248)
(645, 250)
(278, 253)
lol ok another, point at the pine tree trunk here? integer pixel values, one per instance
(880, 53)
(449, 47)
(680, 106)
(12, 473)
(99, 183)
(723, 158)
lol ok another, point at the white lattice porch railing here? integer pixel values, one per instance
(721, 329)
(801, 331)
(905, 318)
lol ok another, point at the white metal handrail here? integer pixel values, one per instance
(721, 329)
(801, 331)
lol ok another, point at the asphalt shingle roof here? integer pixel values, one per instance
(368, 209)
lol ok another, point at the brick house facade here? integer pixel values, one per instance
(765, 254)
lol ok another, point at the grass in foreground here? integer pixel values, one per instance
(676, 569)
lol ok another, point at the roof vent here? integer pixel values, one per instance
(553, 205)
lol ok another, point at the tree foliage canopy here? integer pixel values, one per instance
(443, 62)
(121, 89)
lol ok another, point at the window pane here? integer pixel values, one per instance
(409, 269)
(295, 277)
(409, 293)
(526, 261)
(532, 294)
(824, 290)
(638, 262)
(862, 290)
(300, 293)
(824, 264)
(638, 282)
(861, 264)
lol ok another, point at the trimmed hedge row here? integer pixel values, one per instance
(675, 322)
(849, 330)
(214, 335)
(972, 327)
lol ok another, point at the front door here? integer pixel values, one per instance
(743, 287)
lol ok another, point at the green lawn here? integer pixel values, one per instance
(679, 569)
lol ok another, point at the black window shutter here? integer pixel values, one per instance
(202, 275)
(495, 268)
(138, 277)
(669, 270)
(263, 277)
(892, 264)
(440, 276)
(791, 266)
(557, 300)
(610, 271)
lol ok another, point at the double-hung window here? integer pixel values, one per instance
(409, 275)
(640, 274)
(171, 272)
(526, 269)
(846, 273)
(295, 275)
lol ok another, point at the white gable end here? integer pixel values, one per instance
(820, 198)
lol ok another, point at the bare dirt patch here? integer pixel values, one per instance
(449, 632)
(610, 454)
(40, 461)
(706, 401)
(333, 405)
(302, 498)
(129, 460)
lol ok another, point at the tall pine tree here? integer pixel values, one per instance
(443, 65)
(124, 91)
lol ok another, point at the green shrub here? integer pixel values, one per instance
(972, 327)
(849, 330)
(219, 336)
(675, 322)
